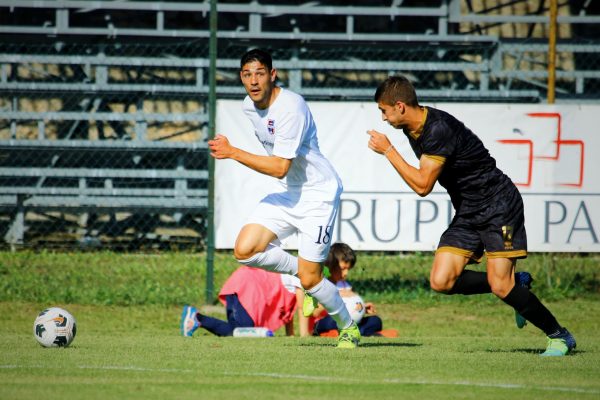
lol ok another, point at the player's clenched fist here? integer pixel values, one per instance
(220, 147)
(378, 142)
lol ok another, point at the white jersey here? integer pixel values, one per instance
(286, 129)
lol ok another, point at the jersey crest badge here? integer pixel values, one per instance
(271, 126)
(507, 236)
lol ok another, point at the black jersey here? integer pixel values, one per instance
(469, 174)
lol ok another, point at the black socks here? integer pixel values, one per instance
(520, 298)
(532, 309)
(471, 282)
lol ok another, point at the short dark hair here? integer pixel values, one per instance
(340, 252)
(396, 88)
(260, 55)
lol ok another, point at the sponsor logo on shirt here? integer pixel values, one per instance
(266, 144)
(271, 126)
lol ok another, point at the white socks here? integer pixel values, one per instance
(328, 295)
(273, 259)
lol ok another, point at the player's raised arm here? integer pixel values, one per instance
(220, 148)
(421, 179)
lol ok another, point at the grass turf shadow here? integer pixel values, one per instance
(368, 344)
(537, 351)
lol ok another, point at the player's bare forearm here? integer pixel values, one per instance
(421, 179)
(220, 148)
(411, 175)
(269, 165)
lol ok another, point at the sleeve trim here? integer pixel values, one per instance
(437, 159)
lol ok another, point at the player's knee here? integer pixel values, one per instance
(309, 280)
(243, 251)
(501, 288)
(247, 245)
(440, 284)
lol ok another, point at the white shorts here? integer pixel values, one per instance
(313, 220)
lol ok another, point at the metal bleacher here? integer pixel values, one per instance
(103, 105)
(91, 157)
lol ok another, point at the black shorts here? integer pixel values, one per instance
(498, 230)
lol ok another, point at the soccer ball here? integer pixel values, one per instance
(54, 327)
(355, 306)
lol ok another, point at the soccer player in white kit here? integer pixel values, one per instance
(310, 189)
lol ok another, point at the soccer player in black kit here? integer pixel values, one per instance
(488, 207)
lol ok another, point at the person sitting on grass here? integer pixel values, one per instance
(252, 297)
(340, 260)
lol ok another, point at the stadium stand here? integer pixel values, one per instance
(88, 88)
(95, 178)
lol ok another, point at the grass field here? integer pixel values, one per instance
(449, 347)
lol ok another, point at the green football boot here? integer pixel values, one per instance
(349, 337)
(555, 348)
(559, 344)
(309, 305)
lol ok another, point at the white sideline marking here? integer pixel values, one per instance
(326, 378)
(499, 386)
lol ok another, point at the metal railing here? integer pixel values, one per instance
(127, 83)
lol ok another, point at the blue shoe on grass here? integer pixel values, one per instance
(189, 322)
(522, 279)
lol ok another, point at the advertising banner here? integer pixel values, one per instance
(548, 151)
